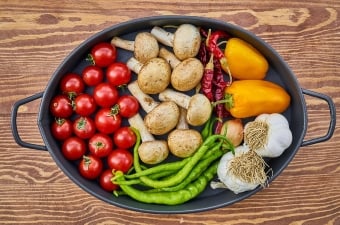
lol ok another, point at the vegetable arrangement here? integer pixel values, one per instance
(194, 110)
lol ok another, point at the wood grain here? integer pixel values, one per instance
(35, 36)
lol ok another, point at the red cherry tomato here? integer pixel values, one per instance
(72, 83)
(105, 95)
(61, 106)
(100, 145)
(105, 181)
(124, 137)
(128, 106)
(103, 54)
(93, 75)
(118, 74)
(61, 128)
(106, 121)
(120, 159)
(84, 105)
(84, 127)
(73, 148)
(90, 167)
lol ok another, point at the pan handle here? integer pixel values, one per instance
(332, 122)
(14, 114)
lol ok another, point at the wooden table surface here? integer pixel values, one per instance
(35, 36)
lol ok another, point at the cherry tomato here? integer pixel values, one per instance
(118, 74)
(105, 95)
(120, 159)
(73, 148)
(90, 167)
(61, 128)
(103, 54)
(72, 84)
(105, 181)
(100, 145)
(93, 75)
(61, 106)
(84, 127)
(106, 121)
(128, 106)
(84, 105)
(124, 137)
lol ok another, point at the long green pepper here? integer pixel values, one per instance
(170, 197)
(184, 172)
(196, 171)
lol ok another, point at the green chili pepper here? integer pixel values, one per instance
(205, 131)
(136, 163)
(197, 171)
(138, 181)
(183, 173)
(170, 197)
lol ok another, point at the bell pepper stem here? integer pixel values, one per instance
(227, 100)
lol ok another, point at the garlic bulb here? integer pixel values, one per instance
(242, 171)
(268, 135)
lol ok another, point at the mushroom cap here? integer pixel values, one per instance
(186, 75)
(187, 41)
(145, 47)
(184, 143)
(163, 118)
(154, 76)
(199, 110)
(153, 152)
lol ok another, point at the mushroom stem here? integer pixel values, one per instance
(179, 98)
(164, 37)
(169, 57)
(137, 122)
(134, 65)
(182, 123)
(198, 106)
(124, 44)
(145, 100)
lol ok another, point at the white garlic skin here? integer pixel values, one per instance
(230, 181)
(279, 135)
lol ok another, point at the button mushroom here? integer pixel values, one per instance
(186, 74)
(185, 41)
(198, 106)
(153, 75)
(183, 142)
(151, 151)
(144, 47)
(161, 117)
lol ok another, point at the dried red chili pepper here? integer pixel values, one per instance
(219, 85)
(211, 42)
(207, 79)
(203, 54)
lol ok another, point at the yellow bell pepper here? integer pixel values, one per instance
(245, 61)
(247, 98)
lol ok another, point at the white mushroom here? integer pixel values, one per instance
(198, 106)
(186, 74)
(151, 151)
(153, 75)
(145, 46)
(185, 41)
(161, 117)
(183, 142)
